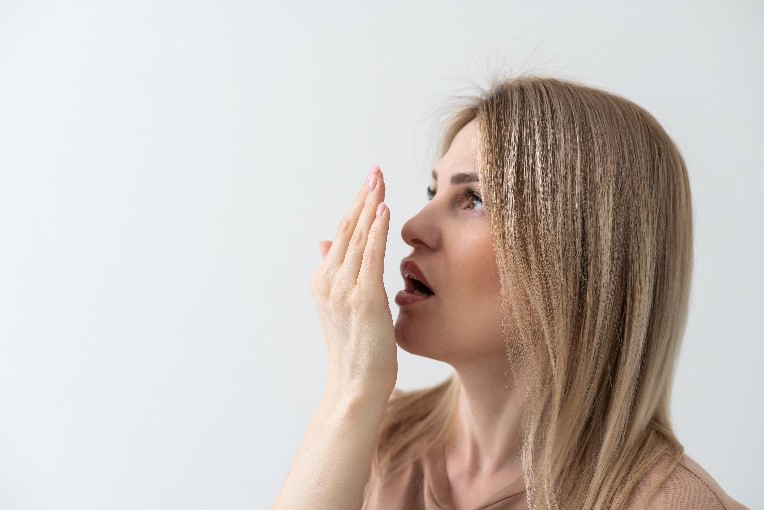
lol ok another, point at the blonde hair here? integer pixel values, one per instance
(590, 211)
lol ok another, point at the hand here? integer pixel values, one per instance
(351, 299)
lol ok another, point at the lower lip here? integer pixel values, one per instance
(404, 298)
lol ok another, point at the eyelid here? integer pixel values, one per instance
(467, 192)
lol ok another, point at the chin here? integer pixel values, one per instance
(403, 337)
(415, 341)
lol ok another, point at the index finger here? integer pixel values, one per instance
(339, 246)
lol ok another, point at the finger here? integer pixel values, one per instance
(373, 264)
(354, 254)
(336, 253)
(323, 247)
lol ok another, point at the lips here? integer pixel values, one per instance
(417, 287)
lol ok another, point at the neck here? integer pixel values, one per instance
(488, 438)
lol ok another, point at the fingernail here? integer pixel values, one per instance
(381, 209)
(370, 179)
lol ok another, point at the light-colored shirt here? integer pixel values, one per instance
(424, 485)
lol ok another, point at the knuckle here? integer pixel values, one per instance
(320, 284)
(346, 226)
(356, 300)
(339, 293)
(359, 238)
(361, 296)
(371, 245)
(368, 282)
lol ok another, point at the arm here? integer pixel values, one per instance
(332, 466)
(333, 463)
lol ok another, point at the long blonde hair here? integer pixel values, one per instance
(590, 210)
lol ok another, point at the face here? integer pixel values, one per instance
(452, 245)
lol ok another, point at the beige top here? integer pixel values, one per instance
(424, 486)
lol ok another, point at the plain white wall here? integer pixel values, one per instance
(167, 169)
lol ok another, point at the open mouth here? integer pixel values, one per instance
(416, 287)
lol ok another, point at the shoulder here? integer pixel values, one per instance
(688, 486)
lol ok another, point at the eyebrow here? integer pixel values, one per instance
(460, 178)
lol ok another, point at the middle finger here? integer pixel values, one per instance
(351, 265)
(347, 226)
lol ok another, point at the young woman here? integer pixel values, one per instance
(551, 269)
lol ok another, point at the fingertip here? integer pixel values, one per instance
(381, 208)
(372, 177)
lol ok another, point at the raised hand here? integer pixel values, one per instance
(333, 463)
(351, 299)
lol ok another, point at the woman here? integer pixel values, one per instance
(551, 269)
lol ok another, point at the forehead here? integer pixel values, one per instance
(461, 156)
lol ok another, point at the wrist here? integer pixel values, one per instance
(352, 399)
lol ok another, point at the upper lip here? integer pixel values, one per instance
(409, 270)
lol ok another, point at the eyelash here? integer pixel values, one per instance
(469, 193)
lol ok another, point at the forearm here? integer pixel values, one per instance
(333, 463)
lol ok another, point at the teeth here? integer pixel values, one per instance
(417, 284)
(420, 288)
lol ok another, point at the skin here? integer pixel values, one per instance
(452, 245)
(333, 464)
(451, 242)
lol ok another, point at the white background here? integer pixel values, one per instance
(167, 169)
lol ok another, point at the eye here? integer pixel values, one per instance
(470, 195)
(473, 197)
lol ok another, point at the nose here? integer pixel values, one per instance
(421, 230)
